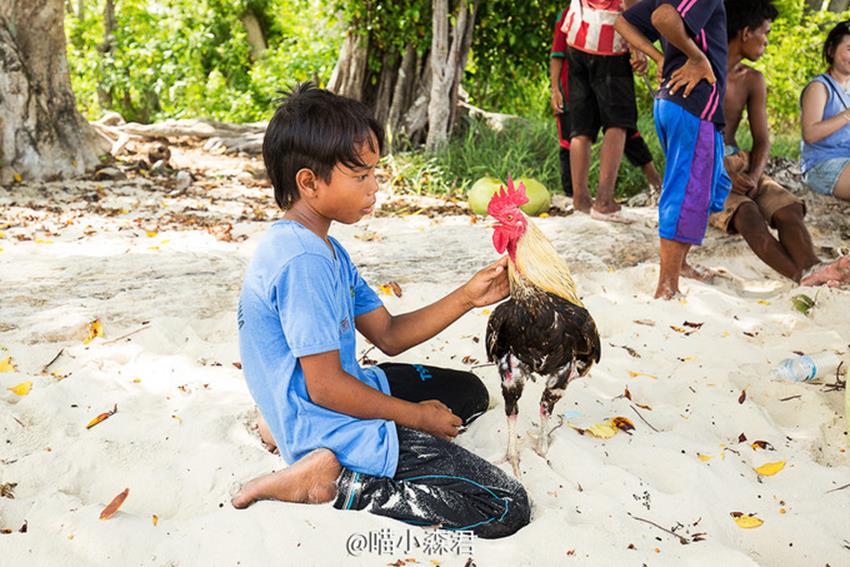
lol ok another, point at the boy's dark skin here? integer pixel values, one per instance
(348, 196)
(793, 253)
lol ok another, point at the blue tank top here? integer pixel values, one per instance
(837, 144)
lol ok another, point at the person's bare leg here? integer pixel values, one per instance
(579, 170)
(311, 480)
(266, 433)
(795, 238)
(672, 257)
(842, 185)
(751, 225)
(609, 165)
(653, 179)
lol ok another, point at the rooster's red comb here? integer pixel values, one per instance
(513, 197)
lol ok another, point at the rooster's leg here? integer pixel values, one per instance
(556, 384)
(512, 383)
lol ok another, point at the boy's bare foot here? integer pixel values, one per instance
(311, 480)
(266, 434)
(616, 217)
(833, 274)
(667, 292)
(705, 275)
(582, 204)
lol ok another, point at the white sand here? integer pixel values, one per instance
(181, 439)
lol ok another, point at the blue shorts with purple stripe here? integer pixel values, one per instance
(695, 182)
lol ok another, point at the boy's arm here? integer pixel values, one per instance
(555, 66)
(331, 387)
(669, 24)
(395, 334)
(757, 117)
(639, 41)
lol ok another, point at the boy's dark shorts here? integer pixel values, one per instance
(602, 93)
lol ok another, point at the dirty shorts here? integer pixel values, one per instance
(695, 182)
(771, 197)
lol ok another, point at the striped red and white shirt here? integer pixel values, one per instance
(589, 27)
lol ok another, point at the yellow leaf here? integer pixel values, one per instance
(604, 430)
(485, 311)
(683, 301)
(704, 458)
(18, 178)
(42, 241)
(136, 380)
(770, 469)
(152, 233)
(543, 215)
(385, 289)
(22, 389)
(153, 247)
(633, 374)
(746, 521)
(2, 234)
(6, 365)
(763, 302)
(95, 330)
(155, 519)
(165, 241)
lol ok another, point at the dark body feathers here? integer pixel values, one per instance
(544, 332)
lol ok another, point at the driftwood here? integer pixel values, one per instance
(231, 138)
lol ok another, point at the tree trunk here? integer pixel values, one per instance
(41, 133)
(386, 87)
(814, 5)
(465, 46)
(445, 60)
(838, 5)
(104, 95)
(254, 34)
(402, 93)
(349, 74)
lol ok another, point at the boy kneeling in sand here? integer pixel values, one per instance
(375, 438)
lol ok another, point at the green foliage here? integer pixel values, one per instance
(792, 59)
(178, 58)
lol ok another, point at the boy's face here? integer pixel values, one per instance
(755, 41)
(350, 193)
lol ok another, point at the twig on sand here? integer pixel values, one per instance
(789, 398)
(643, 419)
(52, 360)
(683, 540)
(144, 326)
(483, 365)
(837, 489)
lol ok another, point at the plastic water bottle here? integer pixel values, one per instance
(806, 368)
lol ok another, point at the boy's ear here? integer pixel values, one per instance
(306, 180)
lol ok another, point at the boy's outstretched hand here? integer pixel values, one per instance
(690, 74)
(489, 285)
(438, 420)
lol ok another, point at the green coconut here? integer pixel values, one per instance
(539, 199)
(482, 190)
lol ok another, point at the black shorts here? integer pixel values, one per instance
(602, 93)
(636, 150)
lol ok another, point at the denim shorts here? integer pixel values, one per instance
(821, 178)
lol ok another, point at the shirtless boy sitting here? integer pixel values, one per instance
(756, 200)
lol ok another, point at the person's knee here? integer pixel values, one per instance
(789, 215)
(748, 219)
(517, 515)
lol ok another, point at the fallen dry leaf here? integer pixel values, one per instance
(113, 506)
(155, 519)
(770, 469)
(102, 416)
(7, 490)
(743, 397)
(623, 424)
(396, 288)
(704, 458)
(238, 365)
(762, 445)
(7, 365)
(368, 236)
(95, 330)
(647, 322)
(746, 521)
(21, 389)
(633, 374)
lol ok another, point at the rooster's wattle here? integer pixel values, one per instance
(543, 329)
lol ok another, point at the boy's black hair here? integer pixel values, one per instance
(751, 14)
(315, 129)
(834, 37)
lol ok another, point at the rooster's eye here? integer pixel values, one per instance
(510, 217)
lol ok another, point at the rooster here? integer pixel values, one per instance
(543, 328)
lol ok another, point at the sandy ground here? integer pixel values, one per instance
(162, 273)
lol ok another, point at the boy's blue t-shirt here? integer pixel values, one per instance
(705, 23)
(300, 298)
